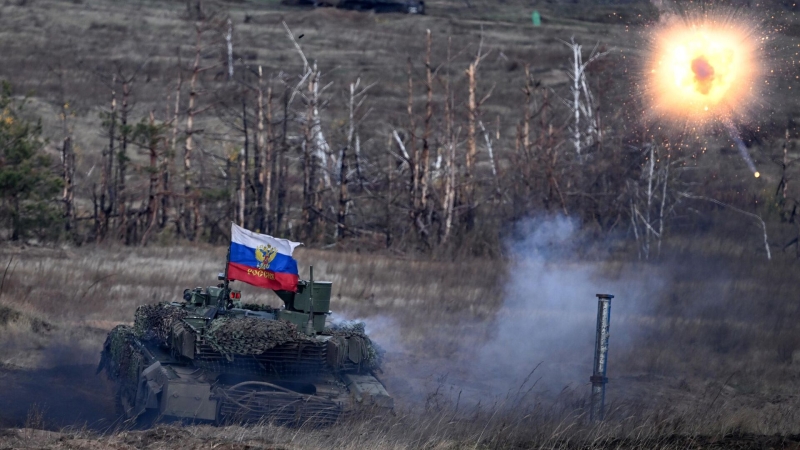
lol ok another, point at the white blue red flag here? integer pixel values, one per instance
(262, 260)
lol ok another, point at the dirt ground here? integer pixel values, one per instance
(174, 437)
(58, 397)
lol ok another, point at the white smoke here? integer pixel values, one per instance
(549, 315)
(546, 322)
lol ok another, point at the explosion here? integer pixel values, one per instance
(703, 69)
(706, 68)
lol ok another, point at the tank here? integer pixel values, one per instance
(212, 357)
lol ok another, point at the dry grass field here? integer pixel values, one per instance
(705, 351)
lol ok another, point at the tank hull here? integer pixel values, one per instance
(291, 384)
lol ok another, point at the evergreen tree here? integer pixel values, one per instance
(29, 186)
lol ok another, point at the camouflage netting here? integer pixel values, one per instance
(155, 321)
(250, 335)
(372, 353)
(121, 358)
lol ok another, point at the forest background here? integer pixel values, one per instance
(164, 121)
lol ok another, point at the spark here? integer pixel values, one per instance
(742, 148)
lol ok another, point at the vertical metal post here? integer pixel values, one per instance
(310, 325)
(598, 377)
(227, 263)
(224, 296)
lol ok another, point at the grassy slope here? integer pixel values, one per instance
(85, 40)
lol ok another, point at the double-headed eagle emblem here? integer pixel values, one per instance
(265, 254)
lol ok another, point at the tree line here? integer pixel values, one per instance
(273, 153)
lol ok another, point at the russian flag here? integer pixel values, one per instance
(262, 260)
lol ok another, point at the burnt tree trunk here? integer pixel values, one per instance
(152, 196)
(166, 199)
(107, 190)
(188, 220)
(282, 167)
(68, 175)
(122, 159)
(309, 167)
(269, 165)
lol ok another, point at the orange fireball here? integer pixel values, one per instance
(703, 69)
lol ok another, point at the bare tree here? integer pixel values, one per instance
(652, 198)
(262, 156)
(423, 165)
(188, 221)
(473, 117)
(582, 101)
(756, 217)
(243, 159)
(67, 151)
(356, 100)
(172, 152)
(150, 136)
(449, 197)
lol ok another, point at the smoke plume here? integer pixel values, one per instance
(542, 337)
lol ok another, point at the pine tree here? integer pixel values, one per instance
(29, 186)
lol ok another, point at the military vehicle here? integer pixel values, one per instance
(213, 358)
(384, 6)
(379, 6)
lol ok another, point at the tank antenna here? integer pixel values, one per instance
(227, 263)
(310, 324)
(225, 292)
